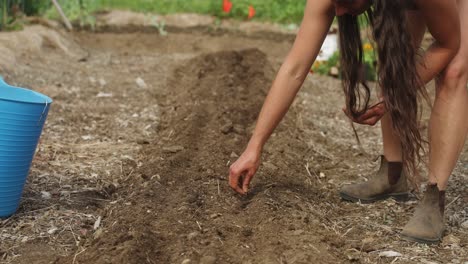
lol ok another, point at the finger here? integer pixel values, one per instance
(377, 112)
(378, 103)
(369, 113)
(360, 118)
(371, 121)
(234, 180)
(248, 177)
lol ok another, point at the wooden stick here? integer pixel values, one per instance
(64, 18)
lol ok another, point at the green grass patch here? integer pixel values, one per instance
(279, 11)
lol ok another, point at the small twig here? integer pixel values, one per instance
(129, 175)
(74, 258)
(64, 17)
(456, 198)
(219, 191)
(199, 226)
(310, 174)
(74, 237)
(347, 231)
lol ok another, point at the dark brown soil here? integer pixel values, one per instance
(140, 176)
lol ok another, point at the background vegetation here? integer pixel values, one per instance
(281, 11)
(278, 11)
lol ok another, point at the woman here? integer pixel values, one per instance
(398, 28)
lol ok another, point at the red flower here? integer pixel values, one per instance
(227, 5)
(251, 12)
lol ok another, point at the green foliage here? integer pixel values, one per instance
(324, 67)
(281, 11)
(35, 7)
(11, 12)
(370, 62)
(285, 11)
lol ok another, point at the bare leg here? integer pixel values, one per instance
(448, 126)
(391, 142)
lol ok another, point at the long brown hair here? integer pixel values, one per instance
(396, 73)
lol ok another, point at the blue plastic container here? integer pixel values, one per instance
(22, 115)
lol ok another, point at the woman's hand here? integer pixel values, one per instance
(372, 115)
(242, 171)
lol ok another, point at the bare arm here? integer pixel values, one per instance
(318, 16)
(443, 22)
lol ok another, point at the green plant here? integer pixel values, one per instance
(13, 10)
(325, 67)
(281, 11)
(80, 11)
(160, 25)
(370, 62)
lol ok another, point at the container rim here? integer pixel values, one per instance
(39, 99)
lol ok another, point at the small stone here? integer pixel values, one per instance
(425, 261)
(192, 235)
(214, 216)
(270, 166)
(390, 254)
(322, 175)
(234, 155)
(353, 256)
(464, 225)
(141, 83)
(102, 82)
(208, 260)
(227, 128)
(46, 195)
(103, 94)
(186, 261)
(173, 149)
(97, 223)
(334, 72)
(298, 232)
(142, 141)
(238, 129)
(52, 231)
(98, 233)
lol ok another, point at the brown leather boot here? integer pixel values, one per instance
(427, 224)
(389, 181)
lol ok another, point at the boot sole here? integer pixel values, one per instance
(421, 240)
(396, 196)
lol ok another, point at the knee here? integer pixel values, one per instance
(456, 71)
(454, 77)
